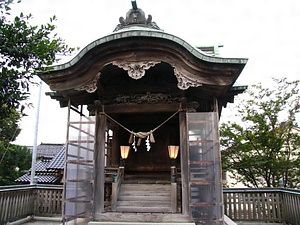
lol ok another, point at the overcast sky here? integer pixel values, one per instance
(267, 32)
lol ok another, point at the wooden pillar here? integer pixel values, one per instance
(115, 155)
(99, 164)
(184, 159)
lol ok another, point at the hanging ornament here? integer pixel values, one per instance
(139, 142)
(152, 137)
(141, 135)
(130, 138)
(133, 144)
(148, 147)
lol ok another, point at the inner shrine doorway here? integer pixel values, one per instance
(147, 154)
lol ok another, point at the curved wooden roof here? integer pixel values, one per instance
(140, 58)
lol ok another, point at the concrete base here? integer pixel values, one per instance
(228, 221)
(138, 223)
(256, 223)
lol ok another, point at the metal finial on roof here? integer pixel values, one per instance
(136, 17)
(134, 5)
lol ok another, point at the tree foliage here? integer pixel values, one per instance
(264, 146)
(14, 162)
(24, 50)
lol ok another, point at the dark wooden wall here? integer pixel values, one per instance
(157, 159)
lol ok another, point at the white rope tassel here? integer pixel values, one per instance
(148, 146)
(133, 144)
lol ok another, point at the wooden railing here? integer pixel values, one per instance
(20, 201)
(115, 188)
(261, 204)
(173, 189)
(269, 205)
(48, 200)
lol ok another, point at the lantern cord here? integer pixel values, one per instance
(142, 134)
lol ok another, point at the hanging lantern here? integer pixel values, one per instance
(173, 151)
(124, 151)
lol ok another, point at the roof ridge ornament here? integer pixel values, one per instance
(136, 17)
(134, 5)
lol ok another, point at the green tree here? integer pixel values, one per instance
(15, 160)
(24, 50)
(264, 146)
(11, 155)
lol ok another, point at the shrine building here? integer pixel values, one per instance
(143, 142)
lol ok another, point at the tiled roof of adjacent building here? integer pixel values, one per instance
(48, 150)
(49, 166)
(58, 160)
(42, 179)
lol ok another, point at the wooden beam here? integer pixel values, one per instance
(141, 108)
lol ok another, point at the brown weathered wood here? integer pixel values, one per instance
(271, 205)
(235, 206)
(173, 197)
(47, 201)
(116, 185)
(99, 164)
(144, 198)
(114, 196)
(290, 208)
(19, 201)
(141, 108)
(184, 160)
(145, 217)
(115, 152)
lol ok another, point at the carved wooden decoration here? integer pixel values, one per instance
(148, 98)
(90, 86)
(136, 70)
(184, 82)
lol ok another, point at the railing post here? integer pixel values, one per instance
(19, 201)
(114, 196)
(115, 187)
(173, 190)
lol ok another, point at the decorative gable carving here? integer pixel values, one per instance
(184, 82)
(90, 86)
(136, 70)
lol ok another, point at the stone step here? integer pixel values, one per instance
(147, 218)
(147, 177)
(141, 203)
(136, 186)
(144, 209)
(144, 198)
(144, 192)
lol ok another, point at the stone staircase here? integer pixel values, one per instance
(148, 177)
(144, 198)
